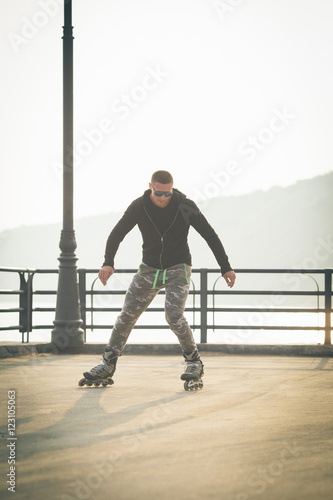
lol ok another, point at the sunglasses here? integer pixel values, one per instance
(161, 193)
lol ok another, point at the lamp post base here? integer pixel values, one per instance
(67, 333)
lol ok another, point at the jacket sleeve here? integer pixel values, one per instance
(201, 225)
(118, 233)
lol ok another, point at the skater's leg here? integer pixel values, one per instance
(177, 290)
(138, 297)
(177, 286)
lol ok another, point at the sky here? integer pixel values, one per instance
(230, 96)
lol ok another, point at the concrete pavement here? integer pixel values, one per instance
(260, 429)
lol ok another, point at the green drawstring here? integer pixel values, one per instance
(156, 276)
(164, 276)
(186, 273)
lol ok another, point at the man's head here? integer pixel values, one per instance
(161, 188)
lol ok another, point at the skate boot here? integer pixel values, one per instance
(193, 372)
(102, 373)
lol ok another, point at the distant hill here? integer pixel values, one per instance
(281, 227)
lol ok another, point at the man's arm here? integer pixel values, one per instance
(201, 225)
(118, 233)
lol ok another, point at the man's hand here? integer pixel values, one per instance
(104, 273)
(230, 278)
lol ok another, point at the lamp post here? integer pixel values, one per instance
(67, 333)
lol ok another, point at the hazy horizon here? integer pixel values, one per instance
(201, 203)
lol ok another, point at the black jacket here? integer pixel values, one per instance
(164, 232)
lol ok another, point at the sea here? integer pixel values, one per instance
(215, 335)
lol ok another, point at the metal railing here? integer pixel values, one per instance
(27, 311)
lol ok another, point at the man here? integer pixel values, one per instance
(164, 216)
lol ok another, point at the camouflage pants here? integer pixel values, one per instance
(144, 287)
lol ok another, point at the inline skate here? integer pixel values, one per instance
(194, 371)
(102, 373)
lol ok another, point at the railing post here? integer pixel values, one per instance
(29, 304)
(328, 306)
(26, 304)
(82, 293)
(203, 305)
(23, 304)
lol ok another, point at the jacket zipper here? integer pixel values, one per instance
(161, 235)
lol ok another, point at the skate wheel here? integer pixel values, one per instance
(193, 385)
(97, 384)
(82, 382)
(89, 383)
(107, 382)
